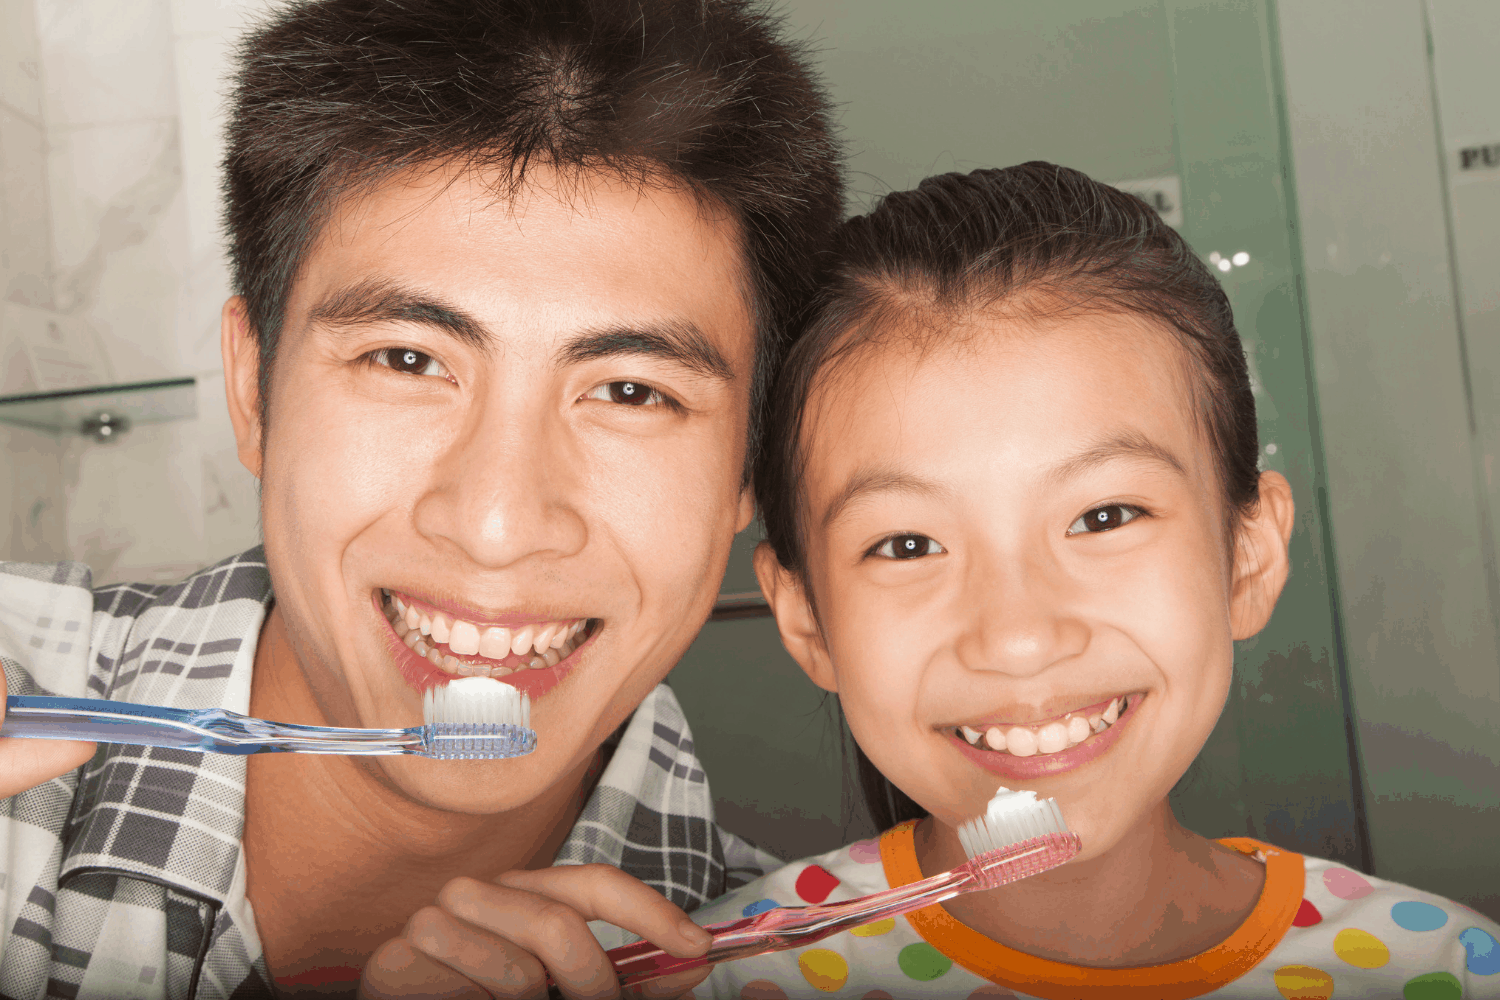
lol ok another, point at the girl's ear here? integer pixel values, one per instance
(241, 353)
(1261, 564)
(794, 617)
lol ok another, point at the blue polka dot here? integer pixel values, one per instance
(759, 906)
(1414, 916)
(1484, 951)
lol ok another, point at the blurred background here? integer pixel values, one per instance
(1337, 160)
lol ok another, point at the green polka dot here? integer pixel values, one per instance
(1433, 986)
(923, 962)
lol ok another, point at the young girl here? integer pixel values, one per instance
(1015, 522)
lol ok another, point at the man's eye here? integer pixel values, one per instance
(907, 547)
(409, 361)
(1105, 518)
(628, 393)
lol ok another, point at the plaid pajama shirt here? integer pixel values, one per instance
(125, 878)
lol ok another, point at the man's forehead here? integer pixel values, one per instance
(605, 267)
(571, 240)
(500, 200)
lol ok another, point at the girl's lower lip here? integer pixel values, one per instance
(420, 674)
(1046, 765)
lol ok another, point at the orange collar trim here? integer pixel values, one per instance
(1042, 977)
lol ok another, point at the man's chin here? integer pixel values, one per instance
(470, 787)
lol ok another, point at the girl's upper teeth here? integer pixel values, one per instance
(542, 644)
(1024, 741)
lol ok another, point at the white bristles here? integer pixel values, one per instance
(477, 718)
(1012, 817)
(476, 700)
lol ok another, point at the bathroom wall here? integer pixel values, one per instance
(1380, 96)
(113, 273)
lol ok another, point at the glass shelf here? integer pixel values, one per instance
(66, 411)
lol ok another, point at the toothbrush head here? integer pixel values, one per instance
(1016, 837)
(476, 718)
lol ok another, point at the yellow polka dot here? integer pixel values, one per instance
(824, 969)
(1361, 949)
(1303, 982)
(876, 929)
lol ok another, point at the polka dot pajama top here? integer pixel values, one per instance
(1319, 931)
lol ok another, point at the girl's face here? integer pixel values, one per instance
(1015, 539)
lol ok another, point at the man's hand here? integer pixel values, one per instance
(27, 763)
(502, 938)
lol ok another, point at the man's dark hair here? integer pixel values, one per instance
(334, 96)
(1037, 239)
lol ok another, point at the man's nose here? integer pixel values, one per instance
(506, 490)
(1023, 615)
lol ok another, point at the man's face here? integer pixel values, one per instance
(524, 420)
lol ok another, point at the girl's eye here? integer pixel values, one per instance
(627, 393)
(409, 361)
(907, 547)
(1105, 518)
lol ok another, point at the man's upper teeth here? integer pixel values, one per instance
(1024, 741)
(546, 642)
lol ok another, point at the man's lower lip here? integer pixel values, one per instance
(1044, 765)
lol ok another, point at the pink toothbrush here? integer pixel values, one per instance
(1016, 838)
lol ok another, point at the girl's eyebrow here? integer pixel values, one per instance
(1130, 445)
(867, 480)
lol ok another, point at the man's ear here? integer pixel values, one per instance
(1261, 564)
(747, 509)
(241, 353)
(794, 617)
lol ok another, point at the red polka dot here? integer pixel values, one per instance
(814, 884)
(1307, 915)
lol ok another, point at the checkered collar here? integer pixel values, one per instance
(172, 817)
(175, 817)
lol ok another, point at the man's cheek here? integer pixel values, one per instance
(344, 469)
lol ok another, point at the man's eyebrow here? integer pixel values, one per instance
(868, 481)
(1128, 445)
(372, 302)
(678, 341)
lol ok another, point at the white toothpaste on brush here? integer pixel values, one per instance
(1010, 818)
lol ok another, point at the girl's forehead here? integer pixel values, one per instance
(1040, 389)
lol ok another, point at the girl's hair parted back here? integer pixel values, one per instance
(1035, 239)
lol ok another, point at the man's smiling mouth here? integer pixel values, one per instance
(462, 648)
(1047, 738)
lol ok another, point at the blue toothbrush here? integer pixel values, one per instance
(471, 718)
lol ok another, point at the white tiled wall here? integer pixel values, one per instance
(110, 140)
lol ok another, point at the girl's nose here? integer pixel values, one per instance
(1023, 618)
(504, 492)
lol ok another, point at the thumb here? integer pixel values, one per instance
(26, 763)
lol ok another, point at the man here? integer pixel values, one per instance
(510, 278)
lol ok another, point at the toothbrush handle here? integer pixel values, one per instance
(791, 927)
(213, 730)
(794, 927)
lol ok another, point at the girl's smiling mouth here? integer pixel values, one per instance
(433, 646)
(1061, 744)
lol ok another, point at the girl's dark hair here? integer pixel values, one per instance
(332, 97)
(1035, 238)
